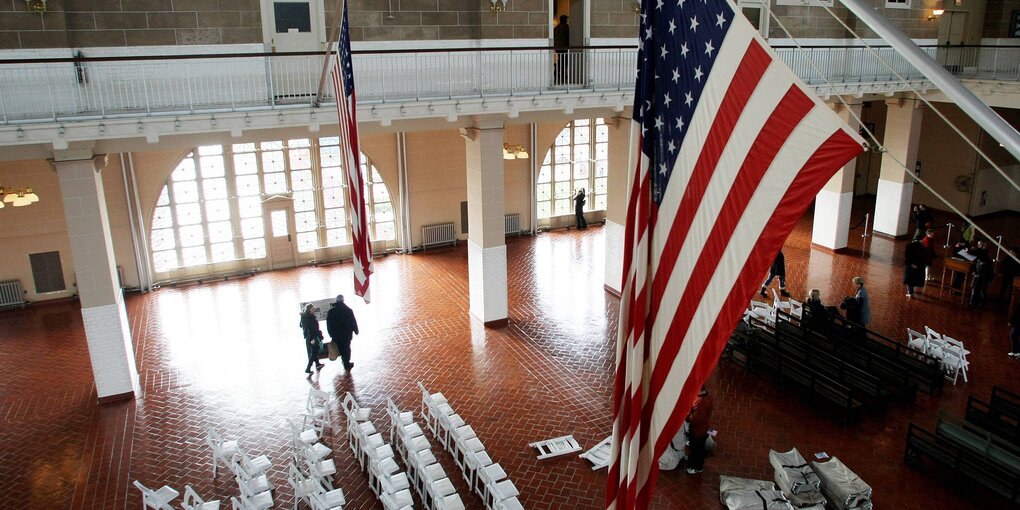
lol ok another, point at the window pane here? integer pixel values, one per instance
(305, 221)
(562, 173)
(243, 147)
(300, 159)
(249, 207)
(335, 218)
(563, 154)
(333, 197)
(581, 170)
(544, 174)
(220, 232)
(562, 207)
(272, 146)
(383, 212)
(252, 228)
(331, 177)
(380, 193)
(581, 152)
(563, 190)
(278, 223)
(214, 188)
(543, 192)
(255, 249)
(329, 156)
(212, 166)
(272, 161)
(602, 133)
(164, 197)
(307, 241)
(600, 185)
(582, 122)
(210, 150)
(600, 202)
(245, 164)
(581, 135)
(217, 210)
(222, 252)
(298, 142)
(161, 218)
(301, 180)
(548, 158)
(275, 183)
(192, 235)
(193, 256)
(189, 214)
(336, 237)
(544, 209)
(164, 260)
(304, 201)
(564, 137)
(163, 239)
(601, 151)
(247, 185)
(185, 191)
(185, 170)
(376, 176)
(601, 168)
(384, 231)
(329, 140)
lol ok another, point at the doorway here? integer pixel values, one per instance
(278, 213)
(756, 11)
(952, 34)
(571, 68)
(294, 26)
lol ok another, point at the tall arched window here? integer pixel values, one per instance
(211, 209)
(578, 159)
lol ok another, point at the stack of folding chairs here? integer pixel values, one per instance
(429, 479)
(842, 487)
(796, 479)
(745, 494)
(375, 455)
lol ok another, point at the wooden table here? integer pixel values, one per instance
(955, 265)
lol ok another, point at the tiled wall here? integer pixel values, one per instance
(998, 16)
(816, 23)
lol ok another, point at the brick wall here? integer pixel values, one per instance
(816, 23)
(997, 17)
(613, 19)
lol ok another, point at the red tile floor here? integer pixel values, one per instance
(228, 355)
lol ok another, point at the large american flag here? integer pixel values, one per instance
(733, 150)
(343, 87)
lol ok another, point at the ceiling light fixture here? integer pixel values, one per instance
(514, 152)
(18, 197)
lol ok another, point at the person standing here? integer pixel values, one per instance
(1014, 331)
(984, 271)
(863, 302)
(579, 209)
(341, 324)
(930, 254)
(922, 221)
(701, 413)
(778, 269)
(561, 41)
(313, 335)
(915, 258)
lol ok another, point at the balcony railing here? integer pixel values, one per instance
(47, 90)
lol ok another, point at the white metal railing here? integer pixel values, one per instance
(66, 89)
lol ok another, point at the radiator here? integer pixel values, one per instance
(435, 235)
(512, 224)
(11, 294)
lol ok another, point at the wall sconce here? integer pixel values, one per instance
(18, 197)
(935, 14)
(36, 6)
(498, 5)
(514, 152)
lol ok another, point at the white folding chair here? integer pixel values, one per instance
(399, 501)
(778, 303)
(447, 424)
(235, 504)
(511, 503)
(955, 357)
(327, 500)
(416, 464)
(318, 407)
(157, 499)
(303, 487)
(433, 405)
(398, 418)
(917, 341)
(303, 435)
(450, 502)
(377, 470)
(322, 470)
(255, 494)
(499, 492)
(488, 476)
(472, 463)
(253, 466)
(192, 501)
(222, 450)
(437, 491)
(796, 309)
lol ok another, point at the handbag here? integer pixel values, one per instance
(334, 351)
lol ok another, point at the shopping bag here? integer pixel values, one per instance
(334, 351)
(323, 352)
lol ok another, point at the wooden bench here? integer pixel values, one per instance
(997, 421)
(960, 462)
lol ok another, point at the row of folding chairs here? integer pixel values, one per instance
(160, 498)
(375, 455)
(483, 476)
(429, 478)
(311, 471)
(948, 350)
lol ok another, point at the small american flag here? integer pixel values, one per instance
(343, 87)
(733, 151)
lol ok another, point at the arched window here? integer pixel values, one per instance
(578, 159)
(211, 209)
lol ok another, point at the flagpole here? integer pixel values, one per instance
(946, 82)
(327, 62)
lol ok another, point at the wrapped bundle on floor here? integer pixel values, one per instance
(746, 494)
(796, 478)
(843, 487)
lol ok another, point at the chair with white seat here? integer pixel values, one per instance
(378, 470)
(488, 476)
(955, 358)
(303, 435)
(303, 487)
(358, 431)
(254, 466)
(394, 482)
(192, 501)
(397, 417)
(255, 494)
(416, 463)
(448, 424)
(317, 407)
(158, 499)
(796, 309)
(437, 491)
(471, 466)
(500, 491)
(375, 448)
(461, 436)
(400, 501)
(427, 475)
(222, 450)
(451, 502)
(316, 451)
(353, 409)
(251, 484)
(327, 500)
(511, 503)
(778, 303)
(917, 341)
(322, 470)
(433, 405)
(465, 447)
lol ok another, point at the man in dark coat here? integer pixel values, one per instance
(561, 41)
(915, 258)
(340, 323)
(579, 202)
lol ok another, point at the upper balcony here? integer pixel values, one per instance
(39, 98)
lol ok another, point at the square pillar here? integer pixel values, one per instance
(622, 160)
(107, 329)
(487, 276)
(895, 186)
(831, 226)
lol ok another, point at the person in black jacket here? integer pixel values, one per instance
(561, 42)
(340, 323)
(579, 202)
(778, 269)
(915, 258)
(313, 335)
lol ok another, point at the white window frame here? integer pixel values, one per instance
(897, 4)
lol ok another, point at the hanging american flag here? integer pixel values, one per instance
(343, 88)
(733, 148)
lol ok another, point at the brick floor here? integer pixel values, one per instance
(228, 355)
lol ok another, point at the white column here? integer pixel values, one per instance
(895, 186)
(487, 277)
(831, 226)
(621, 164)
(102, 303)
